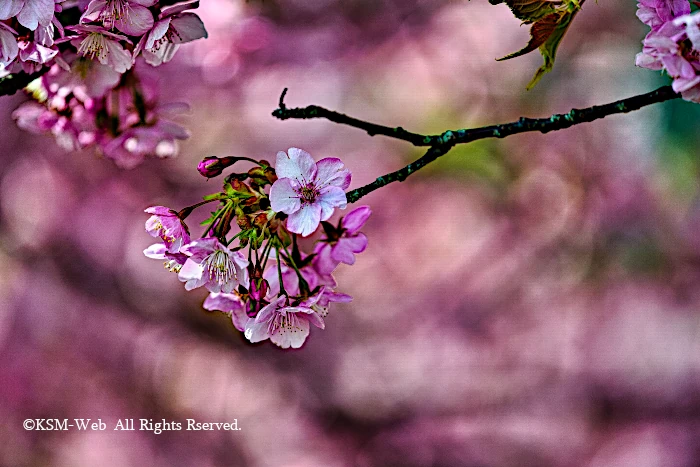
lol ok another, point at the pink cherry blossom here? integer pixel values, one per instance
(95, 42)
(172, 28)
(655, 13)
(285, 326)
(230, 304)
(346, 241)
(308, 192)
(131, 17)
(669, 48)
(173, 261)
(213, 265)
(166, 224)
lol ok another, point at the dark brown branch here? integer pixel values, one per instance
(441, 144)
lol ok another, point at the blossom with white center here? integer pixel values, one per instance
(213, 265)
(308, 192)
(285, 326)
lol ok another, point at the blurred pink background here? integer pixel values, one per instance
(531, 301)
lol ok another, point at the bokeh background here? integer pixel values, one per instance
(532, 301)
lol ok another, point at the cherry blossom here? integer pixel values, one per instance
(285, 326)
(307, 191)
(341, 244)
(214, 266)
(166, 224)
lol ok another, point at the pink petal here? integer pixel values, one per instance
(137, 22)
(188, 27)
(316, 320)
(332, 171)
(158, 31)
(8, 46)
(295, 164)
(155, 251)
(256, 332)
(330, 198)
(191, 270)
(172, 11)
(267, 312)
(355, 219)
(323, 262)
(342, 253)
(344, 249)
(117, 57)
(283, 197)
(36, 12)
(10, 8)
(306, 220)
(95, 7)
(293, 339)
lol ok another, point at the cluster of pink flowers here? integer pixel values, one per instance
(91, 94)
(276, 290)
(673, 44)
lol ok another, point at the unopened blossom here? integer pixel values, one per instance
(285, 326)
(230, 304)
(166, 224)
(213, 265)
(29, 13)
(97, 43)
(173, 27)
(655, 13)
(308, 191)
(132, 17)
(213, 166)
(172, 261)
(341, 245)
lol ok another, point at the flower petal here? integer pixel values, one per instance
(355, 219)
(137, 22)
(323, 262)
(332, 171)
(283, 196)
(10, 8)
(256, 332)
(36, 12)
(306, 220)
(187, 27)
(293, 338)
(295, 164)
(330, 198)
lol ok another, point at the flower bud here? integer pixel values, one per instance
(212, 166)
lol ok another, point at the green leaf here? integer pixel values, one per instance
(550, 20)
